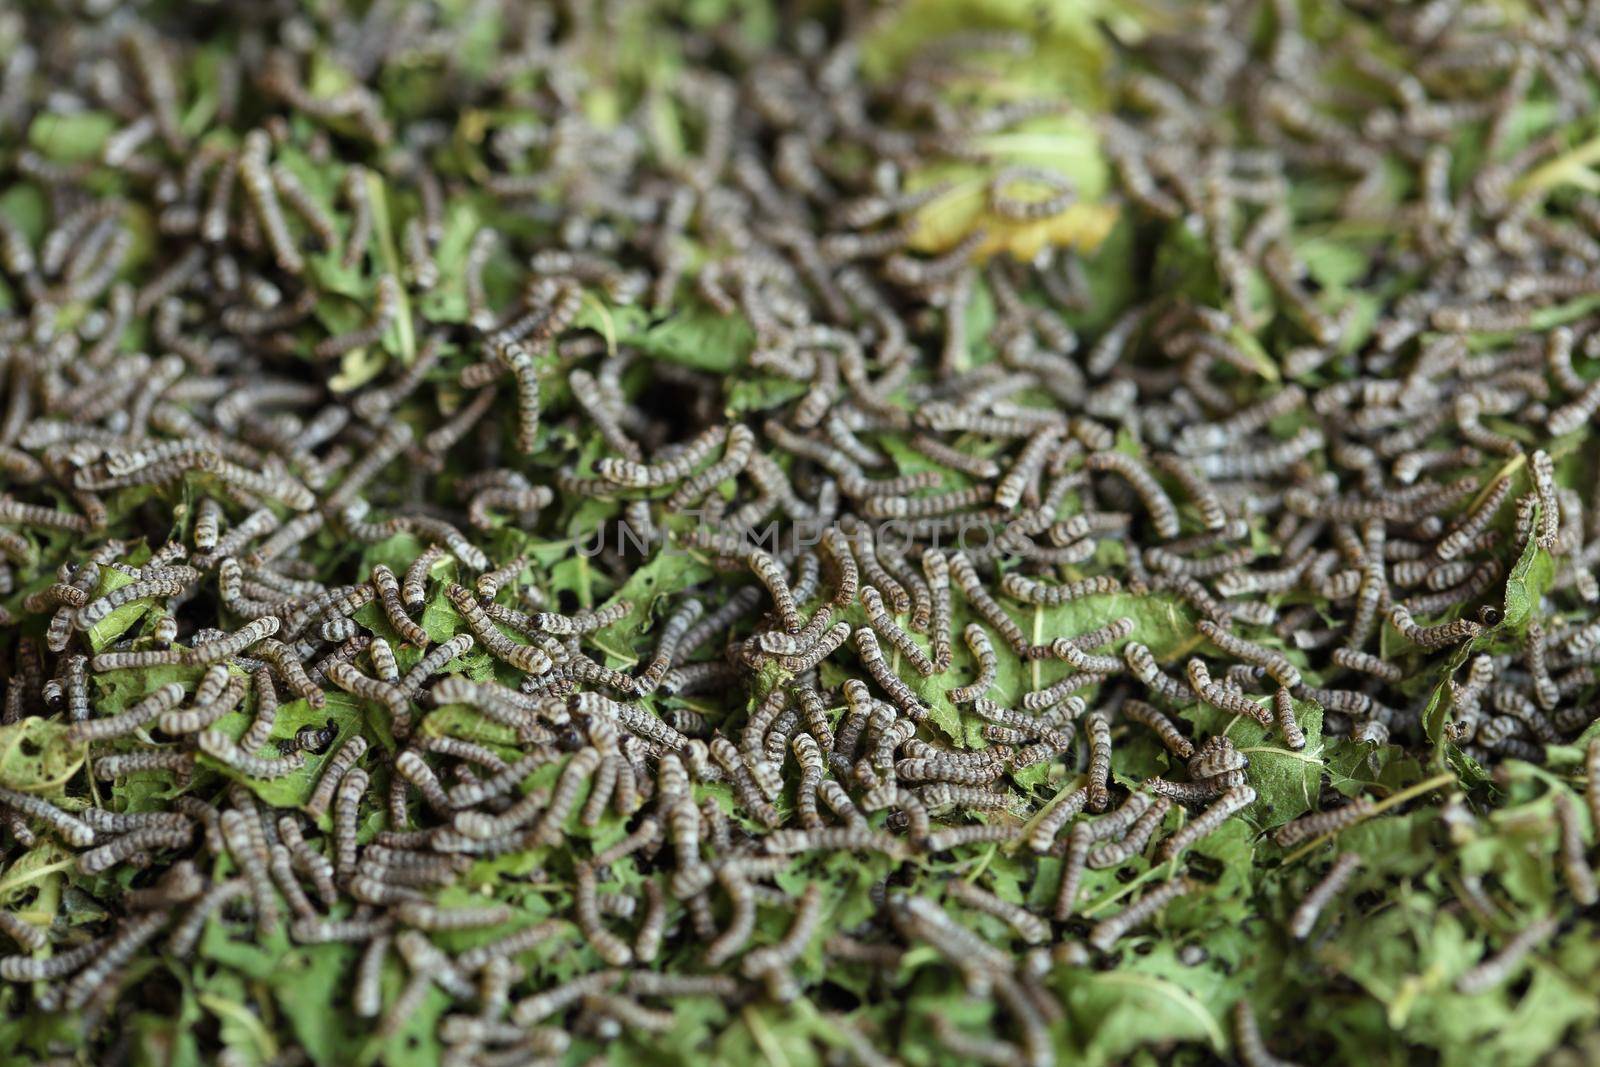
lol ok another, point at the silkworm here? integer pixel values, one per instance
(937, 570)
(333, 772)
(1366, 663)
(132, 934)
(886, 628)
(367, 998)
(1107, 932)
(1247, 1040)
(246, 843)
(347, 801)
(636, 475)
(1221, 697)
(1544, 687)
(1234, 800)
(1043, 835)
(583, 622)
(314, 865)
(73, 831)
(31, 969)
(1099, 761)
(1433, 637)
(1272, 661)
(1320, 823)
(1163, 514)
(966, 578)
(1496, 969)
(1164, 728)
(831, 839)
(1574, 863)
(254, 174)
(1283, 713)
(221, 747)
(155, 588)
(1319, 896)
(1088, 663)
(109, 768)
(1542, 470)
(1137, 837)
(121, 848)
(982, 651)
(872, 659)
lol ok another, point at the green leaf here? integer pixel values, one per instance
(36, 755)
(71, 137)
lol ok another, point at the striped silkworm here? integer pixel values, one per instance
(1108, 932)
(967, 580)
(1222, 697)
(1099, 731)
(1496, 969)
(1163, 513)
(72, 830)
(1164, 728)
(1283, 713)
(221, 747)
(333, 771)
(1231, 802)
(347, 801)
(1135, 840)
(1433, 637)
(899, 692)
(1320, 823)
(1247, 1040)
(387, 588)
(119, 849)
(1574, 863)
(1272, 661)
(1321, 894)
(983, 652)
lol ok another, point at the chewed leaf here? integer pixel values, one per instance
(36, 756)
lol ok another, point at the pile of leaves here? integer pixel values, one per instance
(964, 531)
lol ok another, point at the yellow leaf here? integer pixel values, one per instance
(944, 223)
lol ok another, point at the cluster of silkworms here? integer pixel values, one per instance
(290, 435)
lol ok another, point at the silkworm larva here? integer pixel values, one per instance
(332, 772)
(878, 667)
(367, 999)
(1031, 927)
(1222, 697)
(1574, 863)
(1495, 970)
(72, 830)
(1318, 897)
(1164, 728)
(1247, 1040)
(1272, 661)
(131, 935)
(1108, 931)
(1323, 822)
(1029, 591)
(1283, 713)
(347, 801)
(1099, 762)
(982, 651)
(1234, 800)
